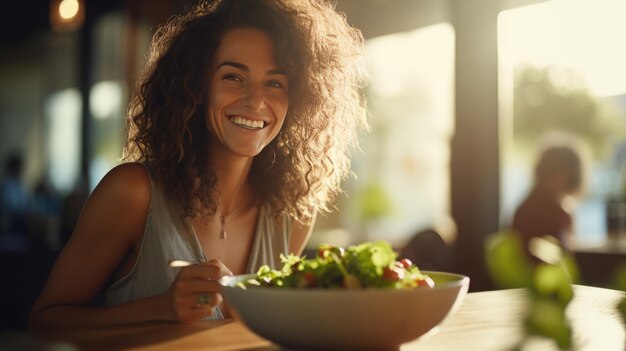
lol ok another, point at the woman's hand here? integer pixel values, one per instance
(195, 292)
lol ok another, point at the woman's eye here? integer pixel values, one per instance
(275, 84)
(232, 77)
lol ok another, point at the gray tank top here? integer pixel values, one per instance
(166, 238)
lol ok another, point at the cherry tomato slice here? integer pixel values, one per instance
(406, 263)
(427, 281)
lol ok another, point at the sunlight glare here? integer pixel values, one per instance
(581, 35)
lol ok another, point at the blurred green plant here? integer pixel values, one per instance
(374, 202)
(547, 276)
(550, 100)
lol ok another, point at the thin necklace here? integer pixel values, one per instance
(224, 217)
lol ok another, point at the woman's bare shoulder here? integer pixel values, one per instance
(124, 192)
(132, 172)
(127, 180)
(126, 187)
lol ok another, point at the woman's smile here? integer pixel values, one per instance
(247, 123)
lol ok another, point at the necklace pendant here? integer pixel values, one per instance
(222, 230)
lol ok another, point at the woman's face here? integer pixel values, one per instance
(248, 93)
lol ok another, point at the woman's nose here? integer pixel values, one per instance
(255, 98)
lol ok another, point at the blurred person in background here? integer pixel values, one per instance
(558, 180)
(239, 133)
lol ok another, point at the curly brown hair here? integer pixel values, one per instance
(298, 173)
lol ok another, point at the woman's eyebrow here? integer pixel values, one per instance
(243, 67)
(238, 65)
(276, 71)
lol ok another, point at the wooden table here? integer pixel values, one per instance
(485, 321)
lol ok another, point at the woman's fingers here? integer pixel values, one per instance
(195, 314)
(195, 292)
(223, 270)
(200, 300)
(188, 306)
(196, 285)
(213, 269)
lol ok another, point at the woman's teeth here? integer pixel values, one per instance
(246, 123)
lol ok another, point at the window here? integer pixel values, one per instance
(108, 96)
(563, 68)
(402, 171)
(63, 120)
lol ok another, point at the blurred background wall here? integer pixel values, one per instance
(462, 93)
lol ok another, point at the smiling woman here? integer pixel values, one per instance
(239, 132)
(248, 93)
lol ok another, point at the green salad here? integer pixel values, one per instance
(367, 265)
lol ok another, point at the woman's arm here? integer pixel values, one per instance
(111, 222)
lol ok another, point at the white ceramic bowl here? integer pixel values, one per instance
(345, 319)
